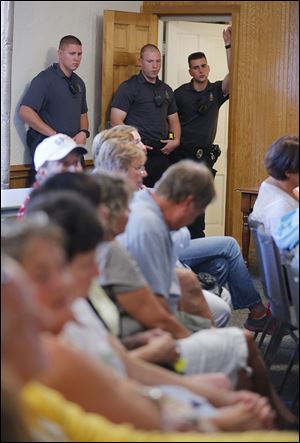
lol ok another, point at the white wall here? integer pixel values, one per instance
(38, 28)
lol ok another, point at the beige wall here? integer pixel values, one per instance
(38, 27)
(264, 101)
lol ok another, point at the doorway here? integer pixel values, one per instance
(177, 38)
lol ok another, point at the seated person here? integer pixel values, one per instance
(220, 256)
(276, 194)
(55, 154)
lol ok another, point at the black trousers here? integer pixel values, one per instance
(156, 164)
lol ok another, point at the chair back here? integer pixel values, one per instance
(271, 272)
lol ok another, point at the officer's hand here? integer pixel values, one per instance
(80, 138)
(149, 148)
(171, 145)
(227, 35)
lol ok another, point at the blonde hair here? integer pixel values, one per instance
(117, 155)
(122, 132)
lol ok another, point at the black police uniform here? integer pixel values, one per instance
(58, 100)
(147, 106)
(198, 114)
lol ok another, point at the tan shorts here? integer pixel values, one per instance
(215, 350)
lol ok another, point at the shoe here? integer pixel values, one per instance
(258, 325)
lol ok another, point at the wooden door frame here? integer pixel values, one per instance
(199, 9)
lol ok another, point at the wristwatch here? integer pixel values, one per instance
(87, 133)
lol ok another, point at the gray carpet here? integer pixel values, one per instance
(284, 353)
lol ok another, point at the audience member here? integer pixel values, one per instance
(219, 256)
(276, 194)
(55, 154)
(91, 343)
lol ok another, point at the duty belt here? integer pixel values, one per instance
(209, 154)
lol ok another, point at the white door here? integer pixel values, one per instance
(182, 39)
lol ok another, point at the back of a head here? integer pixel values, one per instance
(187, 178)
(76, 216)
(121, 132)
(283, 156)
(117, 155)
(18, 235)
(116, 191)
(84, 184)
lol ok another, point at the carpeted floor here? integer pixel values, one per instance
(284, 353)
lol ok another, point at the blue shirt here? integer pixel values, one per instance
(50, 96)
(149, 241)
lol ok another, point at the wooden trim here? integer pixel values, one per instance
(189, 9)
(21, 175)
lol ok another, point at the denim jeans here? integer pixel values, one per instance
(222, 258)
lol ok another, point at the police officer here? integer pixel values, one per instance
(56, 99)
(198, 105)
(147, 103)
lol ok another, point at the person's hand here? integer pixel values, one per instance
(170, 146)
(148, 148)
(80, 138)
(164, 348)
(227, 35)
(146, 336)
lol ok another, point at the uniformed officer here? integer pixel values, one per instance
(56, 99)
(147, 103)
(198, 105)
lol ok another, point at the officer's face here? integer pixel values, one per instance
(150, 64)
(70, 57)
(199, 70)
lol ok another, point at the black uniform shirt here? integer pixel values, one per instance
(50, 96)
(198, 113)
(137, 98)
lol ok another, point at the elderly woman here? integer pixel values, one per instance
(277, 194)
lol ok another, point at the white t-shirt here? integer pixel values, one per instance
(271, 204)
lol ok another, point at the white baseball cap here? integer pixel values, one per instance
(55, 147)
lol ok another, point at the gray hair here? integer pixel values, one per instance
(116, 192)
(117, 155)
(122, 132)
(187, 178)
(16, 236)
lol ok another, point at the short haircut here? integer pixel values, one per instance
(116, 192)
(196, 56)
(76, 216)
(117, 155)
(69, 40)
(83, 183)
(283, 156)
(187, 178)
(18, 234)
(148, 46)
(122, 132)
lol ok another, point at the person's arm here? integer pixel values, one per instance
(192, 300)
(144, 307)
(34, 121)
(162, 349)
(227, 41)
(81, 136)
(174, 126)
(96, 388)
(117, 116)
